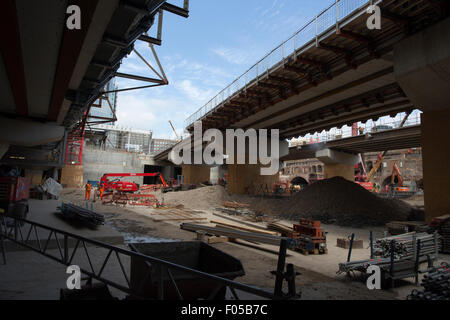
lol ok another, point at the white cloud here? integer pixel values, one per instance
(234, 56)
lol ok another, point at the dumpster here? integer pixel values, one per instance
(192, 254)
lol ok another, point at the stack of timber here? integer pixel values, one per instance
(281, 228)
(234, 208)
(400, 227)
(244, 228)
(176, 214)
(233, 234)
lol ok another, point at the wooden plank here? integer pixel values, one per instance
(273, 240)
(249, 229)
(215, 239)
(178, 219)
(239, 221)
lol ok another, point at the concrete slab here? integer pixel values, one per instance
(44, 212)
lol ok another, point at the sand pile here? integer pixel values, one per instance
(344, 203)
(205, 198)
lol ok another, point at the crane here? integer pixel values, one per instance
(381, 156)
(127, 186)
(173, 128)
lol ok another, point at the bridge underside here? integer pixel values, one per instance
(346, 76)
(396, 139)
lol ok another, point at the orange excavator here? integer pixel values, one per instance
(397, 185)
(128, 187)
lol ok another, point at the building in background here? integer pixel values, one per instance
(160, 145)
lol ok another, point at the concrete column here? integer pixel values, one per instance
(242, 178)
(194, 174)
(338, 164)
(422, 68)
(436, 171)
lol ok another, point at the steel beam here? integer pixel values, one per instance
(11, 50)
(71, 46)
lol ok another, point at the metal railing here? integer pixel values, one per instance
(20, 232)
(311, 34)
(369, 127)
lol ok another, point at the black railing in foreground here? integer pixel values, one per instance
(12, 228)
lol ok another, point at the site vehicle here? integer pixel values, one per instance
(129, 187)
(396, 185)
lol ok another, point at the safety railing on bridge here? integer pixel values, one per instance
(310, 34)
(64, 247)
(369, 127)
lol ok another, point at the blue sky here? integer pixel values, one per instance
(204, 53)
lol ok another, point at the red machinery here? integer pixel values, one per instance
(125, 186)
(309, 237)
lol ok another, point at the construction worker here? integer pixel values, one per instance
(88, 188)
(102, 189)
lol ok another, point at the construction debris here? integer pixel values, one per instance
(436, 285)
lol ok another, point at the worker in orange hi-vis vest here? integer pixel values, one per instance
(102, 189)
(87, 196)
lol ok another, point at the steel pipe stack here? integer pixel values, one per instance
(405, 245)
(89, 217)
(436, 285)
(405, 248)
(444, 231)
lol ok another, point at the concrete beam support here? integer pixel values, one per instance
(338, 164)
(422, 67)
(329, 156)
(435, 153)
(194, 174)
(29, 133)
(242, 177)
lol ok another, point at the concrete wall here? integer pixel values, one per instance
(194, 174)
(98, 162)
(246, 179)
(72, 177)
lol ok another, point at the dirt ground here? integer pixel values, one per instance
(137, 225)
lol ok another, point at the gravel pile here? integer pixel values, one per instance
(205, 198)
(344, 203)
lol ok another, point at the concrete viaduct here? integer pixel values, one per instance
(335, 72)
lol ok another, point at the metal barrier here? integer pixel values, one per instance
(327, 21)
(12, 228)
